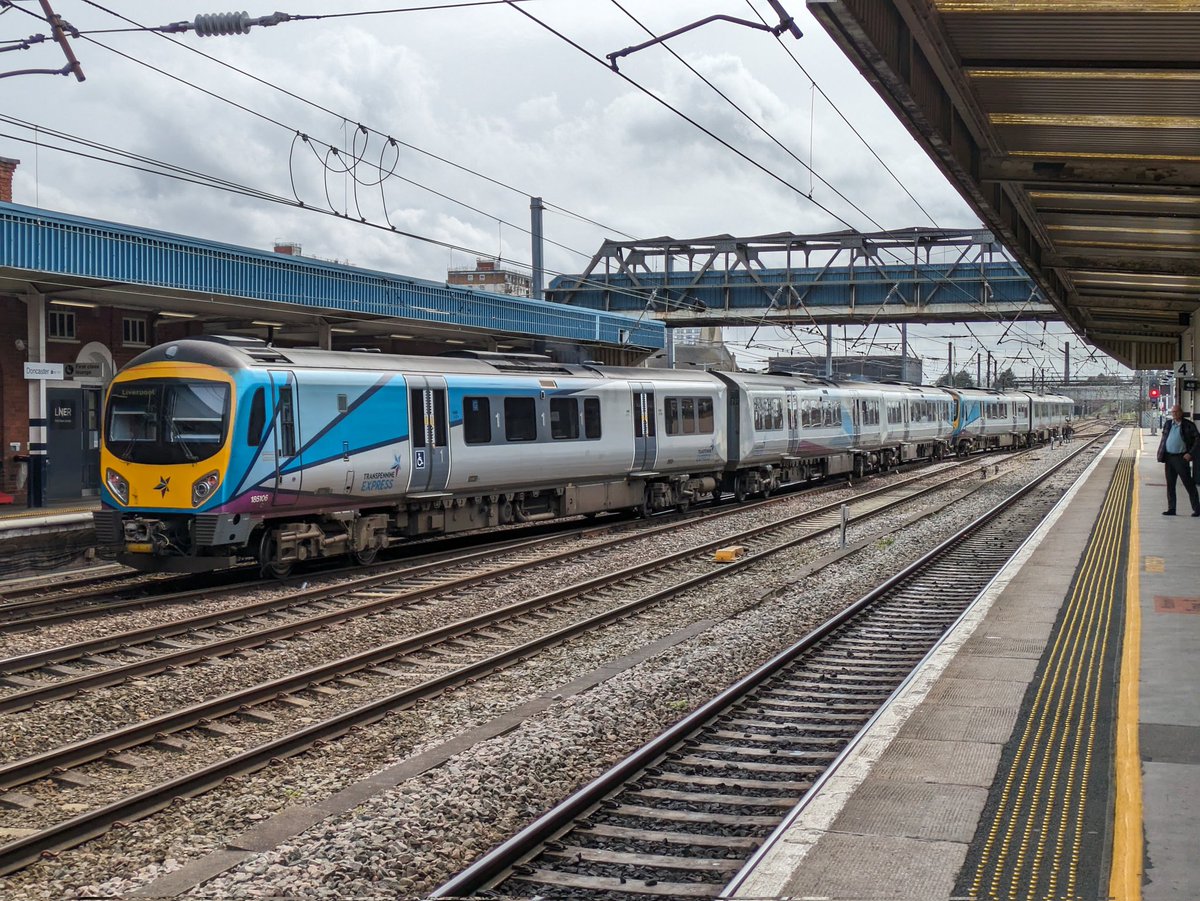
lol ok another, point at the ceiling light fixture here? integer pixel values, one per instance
(1187, 232)
(1060, 7)
(75, 303)
(266, 323)
(1116, 198)
(1080, 120)
(1050, 155)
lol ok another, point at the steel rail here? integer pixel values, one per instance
(23, 699)
(20, 853)
(94, 748)
(493, 866)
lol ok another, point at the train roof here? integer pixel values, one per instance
(251, 353)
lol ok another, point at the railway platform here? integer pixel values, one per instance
(45, 539)
(1049, 746)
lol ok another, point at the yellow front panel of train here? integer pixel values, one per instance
(163, 485)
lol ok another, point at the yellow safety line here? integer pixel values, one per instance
(1089, 605)
(1062, 745)
(1125, 880)
(1051, 698)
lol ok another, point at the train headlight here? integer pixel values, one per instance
(117, 485)
(202, 489)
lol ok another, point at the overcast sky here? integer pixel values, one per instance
(491, 90)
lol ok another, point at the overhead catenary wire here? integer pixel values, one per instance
(329, 147)
(833, 105)
(842, 116)
(244, 20)
(315, 105)
(566, 39)
(480, 212)
(148, 165)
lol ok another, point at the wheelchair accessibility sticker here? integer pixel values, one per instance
(419, 459)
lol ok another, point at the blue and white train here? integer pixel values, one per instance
(222, 450)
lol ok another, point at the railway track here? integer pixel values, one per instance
(26, 607)
(368, 686)
(416, 668)
(680, 817)
(61, 672)
(33, 607)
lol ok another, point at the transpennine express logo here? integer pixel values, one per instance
(164, 485)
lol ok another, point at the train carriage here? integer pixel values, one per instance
(1050, 417)
(221, 450)
(785, 429)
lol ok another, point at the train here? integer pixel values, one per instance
(218, 451)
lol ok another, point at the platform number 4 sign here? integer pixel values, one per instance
(419, 459)
(1184, 369)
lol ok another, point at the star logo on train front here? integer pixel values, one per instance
(164, 485)
(396, 462)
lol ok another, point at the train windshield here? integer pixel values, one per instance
(165, 421)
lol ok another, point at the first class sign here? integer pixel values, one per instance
(44, 371)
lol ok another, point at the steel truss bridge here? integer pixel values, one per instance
(788, 279)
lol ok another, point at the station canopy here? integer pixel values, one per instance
(1073, 129)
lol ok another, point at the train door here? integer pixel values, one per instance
(286, 429)
(793, 419)
(645, 434)
(429, 433)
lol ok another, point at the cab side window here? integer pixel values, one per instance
(258, 418)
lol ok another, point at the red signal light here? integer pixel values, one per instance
(1154, 392)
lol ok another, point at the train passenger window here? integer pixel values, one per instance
(439, 417)
(671, 415)
(776, 413)
(416, 400)
(760, 415)
(258, 418)
(287, 423)
(520, 419)
(477, 420)
(591, 418)
(687, 412)
(704, 410)
(564, 417)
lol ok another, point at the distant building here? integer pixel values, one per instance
(872, 369)
(487, 277)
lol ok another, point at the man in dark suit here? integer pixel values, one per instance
(1180, 445)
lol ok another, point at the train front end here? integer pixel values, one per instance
(164, 462)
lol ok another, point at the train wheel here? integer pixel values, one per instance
(269, 566)
(366, 556)
(647, 504)
(739, 492)
(683, 505)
